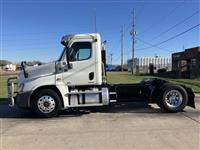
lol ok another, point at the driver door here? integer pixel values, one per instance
(82, 62)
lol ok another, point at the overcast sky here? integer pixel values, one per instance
(31, 30)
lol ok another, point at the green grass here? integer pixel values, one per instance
(123, 77)
(119, 77)
(192, 83)
(3, 86)
(126, 77)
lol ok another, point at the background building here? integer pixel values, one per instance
(142, 65)
(186, 64)
(7, 65)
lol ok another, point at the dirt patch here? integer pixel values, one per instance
(5, 73)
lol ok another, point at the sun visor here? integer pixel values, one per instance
(65, 39)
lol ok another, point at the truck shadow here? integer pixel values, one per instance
(132, 107)
(15, 112)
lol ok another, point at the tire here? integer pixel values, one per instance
(46, 103)
(174, 98)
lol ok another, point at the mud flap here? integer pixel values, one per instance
(191, 96)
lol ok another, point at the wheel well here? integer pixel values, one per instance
(157, 92)
(51, 87)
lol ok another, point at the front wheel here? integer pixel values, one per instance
(46, 103)
(174, 98)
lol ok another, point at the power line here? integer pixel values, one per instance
(196, 12)
(130, 23)
(35, 48)
(127, 28)
(164, 49)
(30, 39)
(171, 38)
(137, 13)
(153, 25)
(35, 33)
(178, 34)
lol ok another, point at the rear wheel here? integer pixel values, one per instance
(46, 103)
(174, 98)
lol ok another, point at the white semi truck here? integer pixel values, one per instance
(78, 79)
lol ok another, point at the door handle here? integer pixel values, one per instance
(91, 75)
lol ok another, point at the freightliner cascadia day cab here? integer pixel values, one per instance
(78, 79)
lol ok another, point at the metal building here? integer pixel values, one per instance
(142, 65)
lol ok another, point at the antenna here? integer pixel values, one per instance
(95, 21)
(122, 37)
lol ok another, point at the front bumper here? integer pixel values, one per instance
(11, 82)
(21, 99)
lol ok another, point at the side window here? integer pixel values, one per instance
(80, 51)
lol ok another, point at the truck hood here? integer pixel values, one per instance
(38, 71)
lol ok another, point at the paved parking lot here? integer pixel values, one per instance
(121, 126)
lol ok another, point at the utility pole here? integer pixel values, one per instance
(122, 55)
(111, 55)
(133, 33)
(108, 60)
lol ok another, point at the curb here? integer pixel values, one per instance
(197, 95)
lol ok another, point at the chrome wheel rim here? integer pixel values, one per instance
(46, 104)
(173, 98)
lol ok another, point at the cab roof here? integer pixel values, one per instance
(65, 39)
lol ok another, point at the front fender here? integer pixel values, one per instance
(33, 83)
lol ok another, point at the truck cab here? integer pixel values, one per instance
(78, 79)
(82, 55)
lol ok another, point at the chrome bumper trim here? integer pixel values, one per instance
(11, 90)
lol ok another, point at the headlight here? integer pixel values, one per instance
(20, 87)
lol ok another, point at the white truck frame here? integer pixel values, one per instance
(78, 79)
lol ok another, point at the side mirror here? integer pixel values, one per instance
(65, 64)
(61, 66)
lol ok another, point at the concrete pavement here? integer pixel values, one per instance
(120, 126)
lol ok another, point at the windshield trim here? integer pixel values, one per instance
(63, 52)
